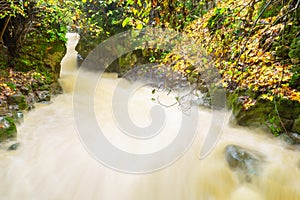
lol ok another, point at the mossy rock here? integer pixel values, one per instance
(256, 115)
(282, 51)
(296, 125)
(294, 52)
(8, 128)
(18, 100)
(56, 88)
(218, 98)
(288, 109)
(40, 55)
(272, 114)
(54, 56)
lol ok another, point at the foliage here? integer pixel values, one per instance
(244, 48)
(174, 14)
(35, 35)
(7, 128)
(11, 8)
(101, 19)
(18, 81)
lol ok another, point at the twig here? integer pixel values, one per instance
(279, 118)
(293, 9)
(249, 34)
(244, 7)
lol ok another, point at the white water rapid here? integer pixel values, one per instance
(52, 163)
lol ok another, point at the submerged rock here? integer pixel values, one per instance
(14, 146)
(247, 163)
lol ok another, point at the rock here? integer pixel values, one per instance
(3, 106)
(294, 51)
(30, 99)
(24, 90)
(43, 96)
(79, 58)
(13, 107)
(288, 123)
(295, 137)
(13, 146)
(56, 88)
(247, 163)
(265, 113)
(17, 101)
(54, 56)
(296, 125)
(18, 117)
(203, 88)
(8, 128)
(218, 98)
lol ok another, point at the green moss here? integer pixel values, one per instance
(272, 10)
(277, 116)
(8, 128)
(17, 99)
(294, 52)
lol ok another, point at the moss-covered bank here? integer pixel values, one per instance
(31, 49)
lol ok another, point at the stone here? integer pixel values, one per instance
(218, 98)
(24, 90)
(8, 128)
(295, 137)
(43, 96)
(56, 88)
(265, 113)
(31, 99)
(17, 101)
(288, 123)
(296, 125)
(246, 163)
(18, 117)
(14, 146)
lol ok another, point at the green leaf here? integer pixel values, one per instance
(130, 2)
(126, 21)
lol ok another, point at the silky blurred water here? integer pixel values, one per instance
(52, 163)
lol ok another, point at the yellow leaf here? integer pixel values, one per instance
(139, 26)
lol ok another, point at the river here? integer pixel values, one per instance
(52, 163)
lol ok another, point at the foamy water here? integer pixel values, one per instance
(52, 163)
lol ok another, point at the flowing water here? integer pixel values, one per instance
(52, 163)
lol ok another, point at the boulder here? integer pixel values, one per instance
(14, 146)
(246, 163)
(272, 114)
(296, 125)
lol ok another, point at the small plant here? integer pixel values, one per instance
(11, 85)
